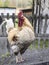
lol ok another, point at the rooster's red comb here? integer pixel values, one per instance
(20, 14)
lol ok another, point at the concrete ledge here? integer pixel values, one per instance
(3, 46)
(32, 57)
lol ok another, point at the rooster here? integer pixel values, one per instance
(21, 37)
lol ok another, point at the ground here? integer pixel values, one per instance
(33, 57)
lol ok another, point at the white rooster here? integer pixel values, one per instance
(21, 37)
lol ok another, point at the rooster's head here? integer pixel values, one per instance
(19, 13)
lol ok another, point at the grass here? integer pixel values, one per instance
(42, 44)
(46, 43)
(5, 55)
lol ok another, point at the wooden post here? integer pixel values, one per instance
(45, 25)
(39, 1)
(33, 11)
(8, 16)
(13, 17)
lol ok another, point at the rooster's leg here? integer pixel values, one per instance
(21, 58)
(17, 59)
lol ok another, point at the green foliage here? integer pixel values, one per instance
(1, 3)
(31, 47)
(46, 43)
(30, 3)
(36, 44)
(41, 44)
(6, 55)
(16, 23)
(6, 3)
